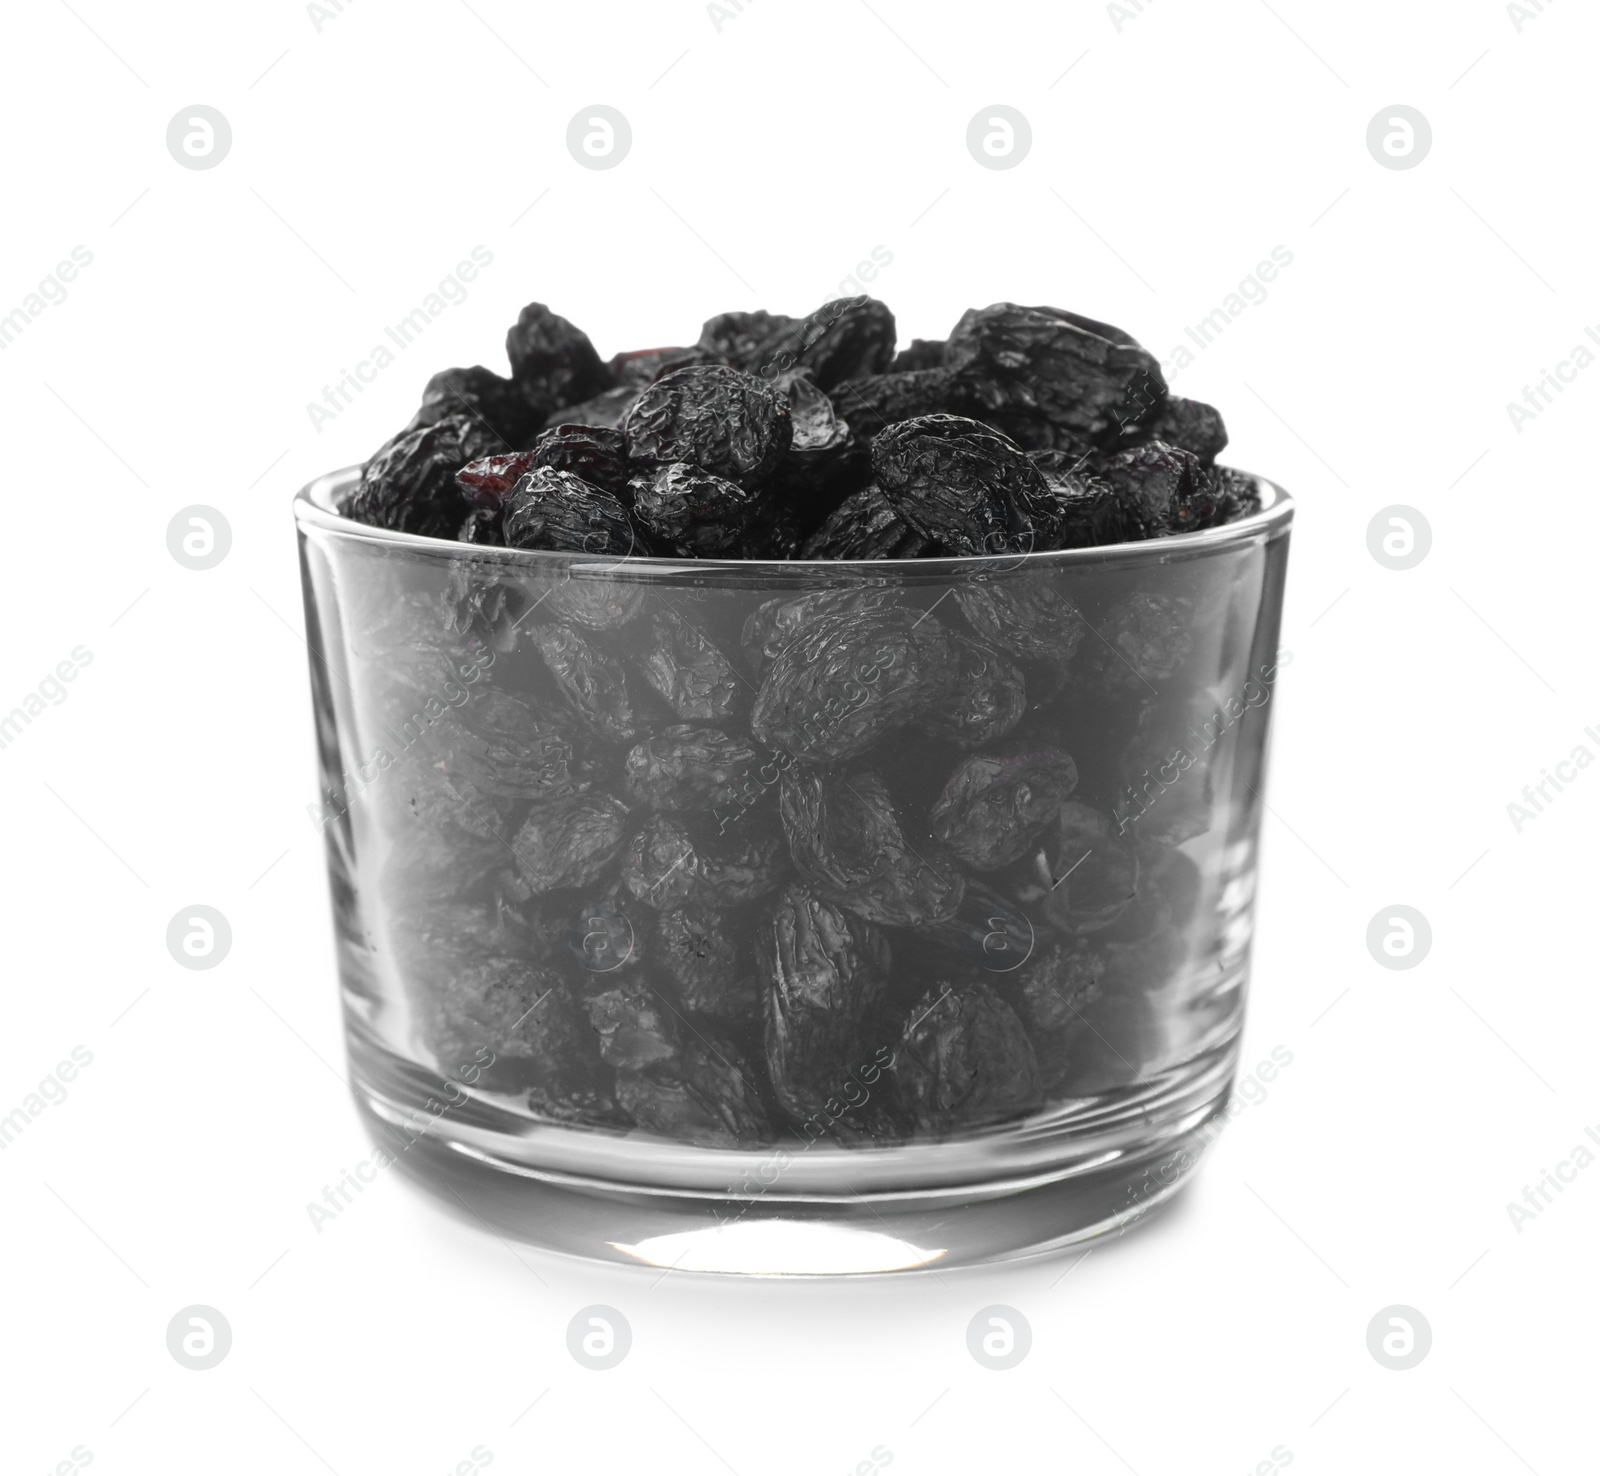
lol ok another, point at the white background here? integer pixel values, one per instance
(769, 157)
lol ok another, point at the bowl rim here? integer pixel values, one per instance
(315, 506)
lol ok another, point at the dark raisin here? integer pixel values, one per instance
(1056, 993)
(561, 512)
(689, 512)
(684, 769)
(637, 367)
(553, 362)
(1191, 424)
(1052, 378)
(481, 525)
(848, 841)
(748, 341)
(633, 1025)
(964, 1061)
(845, 680)
(1162, 489)
(845, 339)
(596, 453)
(705, 1096)
(920, 353)
(962, 485)
(823, 974)
(773, 624)
(684, 666)
(866, 526)
(982, 695)
(487, 482)
(410, 483)
(1143, 639)
(664, 865)
(604, 410)
(1082, 875)
(500, 405)
(877, 401)
(730, 423)
(590, 678)
(997, 804)
(569, 842)
(1025, 614)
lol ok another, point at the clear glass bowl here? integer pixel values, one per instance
(793, 917)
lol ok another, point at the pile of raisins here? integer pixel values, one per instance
(1028, 429)
(843, 863)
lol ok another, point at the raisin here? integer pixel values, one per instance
(638, 367)
(1162, 489)
(920, 353)
(481, 525)
(866, 526)
(500, 742)
(632, 1024)
(603, 411)
(553, 362)
(997, 804)
(848, 841)
(590, 678)
(500, 405)
(1052, 378)
(1238, 492)
(435, 800)
(409, 485)
(845, 680)
(517, 1017)
(569, 842)
(1082, 876)
(702, 960)
(773, 624)
(877, 401)
(1143, 639)
(729, 423)
(1056, 992)
(606, 934)
(487, 482)
(823, 975)
(1025, 614)
(993, 932)
(703, 1096)
(685, 667)
(747, 341)
(1165, 771)
(596, 453)
(665, 866)
(1191, 424)
(824, 462)
(845, 339)
(690, 512)
(962, 485)
(558, 511)
(965, 1061)
(594, 597)
(685, 768)
(983, 695)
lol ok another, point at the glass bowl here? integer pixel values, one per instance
(789, 918)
